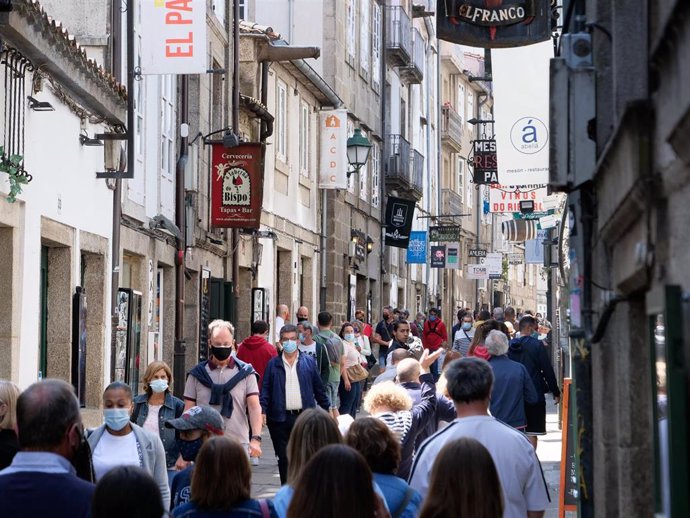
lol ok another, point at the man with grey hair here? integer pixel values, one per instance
(228, 385)
(513, 386)
(307, 345)
(408, 372)
(42, 480)
(498, 314)
(469, 384)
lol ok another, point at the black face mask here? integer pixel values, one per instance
(221, 353)
(301, 319)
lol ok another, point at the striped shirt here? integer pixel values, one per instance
(293, 395)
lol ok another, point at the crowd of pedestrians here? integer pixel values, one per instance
(444, 425)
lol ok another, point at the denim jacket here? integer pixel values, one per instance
(273, 388)
(172, 408)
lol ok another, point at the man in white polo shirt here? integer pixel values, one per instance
(469, 384)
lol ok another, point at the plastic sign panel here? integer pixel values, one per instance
(453, 256)
(398, 221)
(507, 198)
(416, 250)
(438, 256)
(173, 36)
(494, 264)
(491, 24)
(521, 113)
(484, 164)
(236, 186)
(444, 233)
(334, 164)
(477, 271)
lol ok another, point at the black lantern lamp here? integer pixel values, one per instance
(358, 149)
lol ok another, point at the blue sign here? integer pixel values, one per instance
(416, 250)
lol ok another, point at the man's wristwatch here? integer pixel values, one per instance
(256, 438)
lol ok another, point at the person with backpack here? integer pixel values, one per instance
(335, 350)
(434, 337)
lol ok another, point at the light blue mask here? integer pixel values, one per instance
(116, 418)
(159, 386)
(289, 346)
(301, 337)
(467, 326)
(350, 337)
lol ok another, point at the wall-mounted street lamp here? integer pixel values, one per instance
(40, 106)
(85, 140)
(475, 121)
(358, 149)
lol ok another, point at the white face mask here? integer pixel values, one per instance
(159, 386)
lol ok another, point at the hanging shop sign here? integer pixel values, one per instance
(438, 256)
(333, 165)
(494, 264)
(491, 24)
(521, 113)
(534, 249)
(515, 258)
(399, 215)
(236, 186)
(453, 256)
(507, 198)
(359, 240)
(173, 37)
(484, 164)
(444, 233)
(477, 252)
(477, 271)
(519, 230)
(416, 250)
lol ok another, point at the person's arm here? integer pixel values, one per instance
(366, 346)
(376, 337)
(529, 391)
(445, 408)
(549, 375)
(266, 389)
(160, 470)
(426, 409)
(256, 422)
(319, 392)
(343, 372)
(444, 335)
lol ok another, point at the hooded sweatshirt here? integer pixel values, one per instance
(532, 354)
(257, 351)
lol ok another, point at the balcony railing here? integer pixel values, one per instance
(451, 202)
(451, 127)
(398, 36)
(413, 73)
(398, 165)
(417, 178)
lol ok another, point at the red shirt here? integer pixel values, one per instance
(257, 351)
(434, 334)
(367, 330)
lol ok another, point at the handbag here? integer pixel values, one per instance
(357, 373)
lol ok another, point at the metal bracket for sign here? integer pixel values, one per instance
(440, 217)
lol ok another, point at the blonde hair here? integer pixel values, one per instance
(389, 395)
(9, 392)
(152, 369)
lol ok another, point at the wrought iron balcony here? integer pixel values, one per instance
(413, 73)
(398, 36)
(417, 178)
(451, 202)
(451, 127)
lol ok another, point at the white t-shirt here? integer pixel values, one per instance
(115, 450)
(280, 322)
(309, 350)
(517, 464)
(151, 422)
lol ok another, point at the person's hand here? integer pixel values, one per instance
(380, 510)
(428, 359)
(254, 448)
(556, 400)
(348, 386)
(181, 464)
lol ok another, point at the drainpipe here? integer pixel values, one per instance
(384, 137)
(235, 127)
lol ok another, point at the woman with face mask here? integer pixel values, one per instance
(155, 406)
(119, 442)
(352, 374)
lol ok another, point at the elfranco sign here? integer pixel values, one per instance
(173, 36)
(521, 112)
(333, 167)
(491, 24)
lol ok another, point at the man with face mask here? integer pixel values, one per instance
(384, 334)
(229, 385)
(194, 427)
(292, 383)
(42, 481)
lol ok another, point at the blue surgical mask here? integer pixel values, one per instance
(116, 418)
(289, 346)
(349, 337)
(432, 318)
(535, 334)
(301, 337)
(189, 449)
(159, 386)
(467, 326)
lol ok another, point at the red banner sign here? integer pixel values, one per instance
(236, 186)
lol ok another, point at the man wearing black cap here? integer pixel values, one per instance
(194, 427)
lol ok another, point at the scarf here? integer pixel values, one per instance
(220, 393)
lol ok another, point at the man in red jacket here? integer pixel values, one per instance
(434, 336)
(256, 350)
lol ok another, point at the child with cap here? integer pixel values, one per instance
(193, 427)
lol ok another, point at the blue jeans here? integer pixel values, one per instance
(433, 368)
(349, 399)
(382, 359)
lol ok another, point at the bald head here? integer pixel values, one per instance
(302, 314)
(45, 412)
(400, 354)
(282, 311)
(408, 370)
